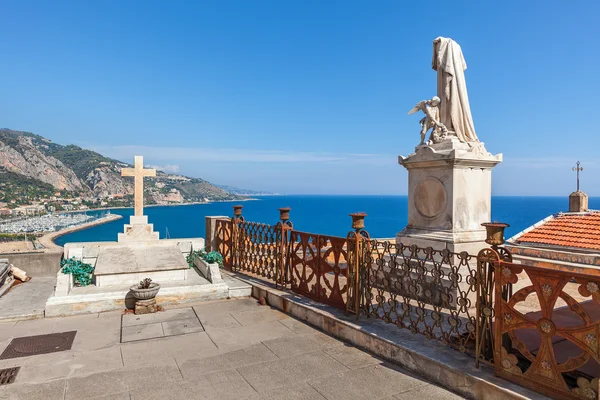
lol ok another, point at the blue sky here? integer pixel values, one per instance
(304, 96)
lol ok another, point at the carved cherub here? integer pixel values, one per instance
(431, 120)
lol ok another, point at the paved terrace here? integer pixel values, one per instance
(230, 349)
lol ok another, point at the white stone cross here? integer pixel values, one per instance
(138, 172)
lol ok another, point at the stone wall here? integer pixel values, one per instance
(36, 263)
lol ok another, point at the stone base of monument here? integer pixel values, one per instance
(145, 306)
(449, 195)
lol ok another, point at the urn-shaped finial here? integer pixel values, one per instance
(237, 210)
(358, 220)
(284, 214)
(495, 233)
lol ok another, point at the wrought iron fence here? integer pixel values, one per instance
(546, 333)
(256, 249)
(429, 292)
(318, 267)
(461, 300)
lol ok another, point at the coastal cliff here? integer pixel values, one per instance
(33, 166)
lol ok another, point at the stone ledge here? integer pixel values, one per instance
(441, 365)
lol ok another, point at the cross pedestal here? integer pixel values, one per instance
(138, 229)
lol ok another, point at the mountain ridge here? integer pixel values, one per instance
(88, 174)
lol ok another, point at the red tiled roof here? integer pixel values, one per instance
(567, 230)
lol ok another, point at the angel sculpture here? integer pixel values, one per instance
(431, 120)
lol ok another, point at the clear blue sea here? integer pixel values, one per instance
(387, 215)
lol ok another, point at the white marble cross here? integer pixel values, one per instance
(138, 172)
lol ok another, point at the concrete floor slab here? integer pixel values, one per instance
(220, 321)
(427, 392)
(54, 390)
(198, 365)
(36, 291)
(353, 358)
(248, 356)
(289, 371)
(257, 316)
(301, 391)
(210, 308)
(374, 382)
(246, 335)
(182, 326)
(141, 332)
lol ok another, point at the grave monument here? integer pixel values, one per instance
(450, 174)
(137, 254)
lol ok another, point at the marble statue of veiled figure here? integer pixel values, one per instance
(455, 112)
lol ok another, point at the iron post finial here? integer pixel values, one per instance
(578, 168)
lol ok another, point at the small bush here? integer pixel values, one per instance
(210, 257)
(82, 272)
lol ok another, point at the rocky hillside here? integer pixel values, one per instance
(28, 158)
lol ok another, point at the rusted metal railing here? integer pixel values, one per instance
(546, 333)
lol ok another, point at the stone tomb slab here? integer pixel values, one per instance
(123, 264)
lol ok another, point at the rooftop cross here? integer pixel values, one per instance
(578, 168)
(138, 172)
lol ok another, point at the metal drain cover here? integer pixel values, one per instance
(8, 375)
(40, 344)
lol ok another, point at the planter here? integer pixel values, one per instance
(495, 233)
(145, 294)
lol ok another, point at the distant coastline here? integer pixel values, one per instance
(47, 240)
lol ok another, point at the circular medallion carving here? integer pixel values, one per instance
(430, 197)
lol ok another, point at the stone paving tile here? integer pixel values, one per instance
(289, 371)
(145, 352)
(192, 345)
(325, 341)
(182, 326)
(427, 392)
(374, 382)
(152, 377)
(74, 323)
(96, 339)
(80, 364)
(115, 396)
(54, 390)
(353, 358)
(258, 316)
(297, 326)
(143, 319)
(175, 314)
(140, 332)
(290, 346)
(107, 383)
(302, 391)
(250, 355)
(220, 321)
(181, 391)
(32, 327)
(226, 385)
(246, 335)
(225, 307)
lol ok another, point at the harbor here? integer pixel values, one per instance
(50, 222)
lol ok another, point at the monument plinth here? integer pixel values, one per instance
(449, 195)
(449, 175)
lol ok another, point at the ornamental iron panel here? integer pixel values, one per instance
(318, 267)
(224, 239)
(546, 333)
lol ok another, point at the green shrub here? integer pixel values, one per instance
(82, 272)
(210, 257)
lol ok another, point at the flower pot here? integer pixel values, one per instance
(145, 294)
(495, 233)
